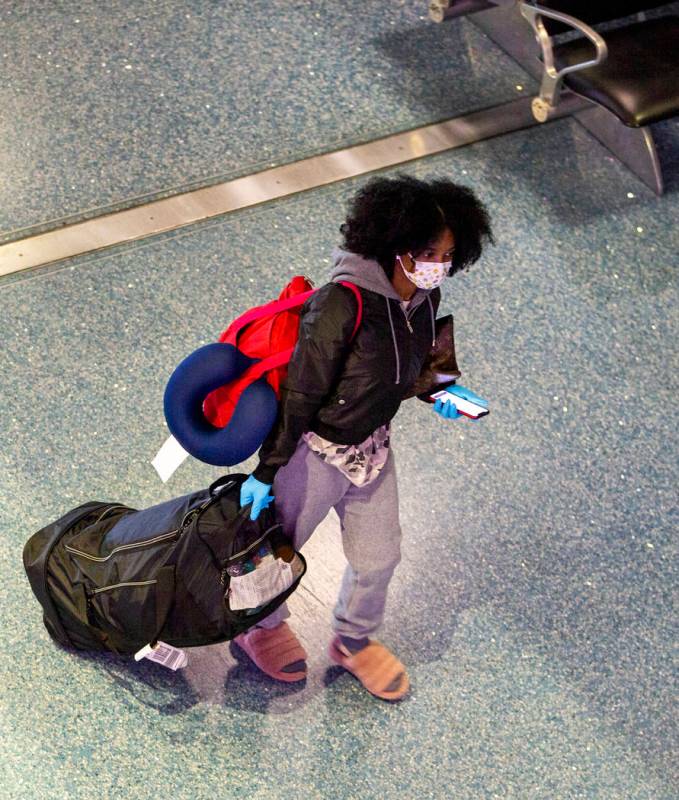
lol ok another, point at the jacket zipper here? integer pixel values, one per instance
(408, 342)
(405, 314)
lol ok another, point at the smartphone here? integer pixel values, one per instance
(464, 406)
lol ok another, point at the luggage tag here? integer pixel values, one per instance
(165, 654)
(169, 458)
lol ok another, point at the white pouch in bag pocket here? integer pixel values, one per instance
(260, 586)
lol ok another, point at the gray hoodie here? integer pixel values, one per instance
(368, 274)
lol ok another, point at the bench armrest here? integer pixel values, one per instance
(552, 77)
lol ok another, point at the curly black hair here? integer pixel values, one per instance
(389, 216)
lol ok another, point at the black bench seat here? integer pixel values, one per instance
(639, 80)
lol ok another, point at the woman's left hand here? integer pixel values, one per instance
(447, 410)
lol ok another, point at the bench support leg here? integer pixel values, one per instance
(633, 146)
(441, 10)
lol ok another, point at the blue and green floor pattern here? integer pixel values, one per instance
(533, 606)
(107, 104)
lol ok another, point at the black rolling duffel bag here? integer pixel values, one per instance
(110, 577)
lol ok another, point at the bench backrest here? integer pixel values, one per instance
(594, 11)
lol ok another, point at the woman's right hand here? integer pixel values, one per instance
(257, 493)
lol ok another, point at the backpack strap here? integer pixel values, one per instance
(281, 358)
(275, 307)
(256, 371)
(267, 310)
(359, 300)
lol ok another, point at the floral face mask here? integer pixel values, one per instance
(427, 274)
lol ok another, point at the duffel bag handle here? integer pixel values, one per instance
(225, 480)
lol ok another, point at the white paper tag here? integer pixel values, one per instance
(170, 456)
(165, 654)
(259, 586)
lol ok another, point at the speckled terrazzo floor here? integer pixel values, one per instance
(534, 604)
(103, 104)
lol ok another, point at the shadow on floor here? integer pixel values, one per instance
(247, 688)
(143, 682)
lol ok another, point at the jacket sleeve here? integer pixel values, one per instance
(326, 324)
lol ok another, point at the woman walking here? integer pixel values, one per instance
(330, 446)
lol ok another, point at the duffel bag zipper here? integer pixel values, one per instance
(106, 512)
(147, 542)
(254, 544)
(193, 514)
(45, 568)
(122, 584)
(236, 556)
(90, 594)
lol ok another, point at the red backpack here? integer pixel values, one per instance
(269, 333)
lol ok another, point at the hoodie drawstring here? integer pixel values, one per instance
(433, 322)
(393, 336)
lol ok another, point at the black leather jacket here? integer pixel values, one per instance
(345, 389)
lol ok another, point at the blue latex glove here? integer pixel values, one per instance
(447, 410)
(257, 493)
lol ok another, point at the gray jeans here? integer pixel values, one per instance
(306, 488)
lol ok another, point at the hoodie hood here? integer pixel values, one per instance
(368, 274)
